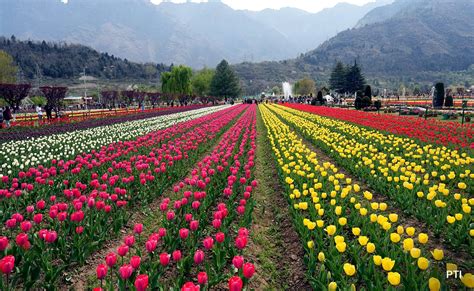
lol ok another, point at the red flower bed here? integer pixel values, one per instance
(431, 131)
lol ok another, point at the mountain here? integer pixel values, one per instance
(65, 61)
(305, 30)
(411, 42)
(196, 34)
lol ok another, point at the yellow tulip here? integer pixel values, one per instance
(466, 208)
(393, 217)
(321, 257)
(320, 223)
(415, 253)
(395, 237)
(310, 244)
(438, 254)
(450, 219)
(400, 229)
(363, 240)
(377, 260)
(356, 231)
(387, 264)
(434, 284)
(423, 263)
(331, 229)
(458, 216)
(393, 278)
(408, 244)
(468, 280)
(383, 206)
(451, 267)
(341, 247)
(356, 188)
(370, 248)
(342, 221)
(338, 210)
(321, 212)
(423, 238)
(349, 269)
(462, 185)
(338, 239)
(332, 286)
(410, 231)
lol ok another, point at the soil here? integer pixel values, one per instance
(275, 248)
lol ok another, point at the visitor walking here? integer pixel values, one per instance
(1, 117)
(40, 113)
(7, 116)
(49, 111)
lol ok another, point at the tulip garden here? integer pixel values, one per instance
(166, 202)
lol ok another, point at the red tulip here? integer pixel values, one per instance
(3, 243)
(138, 228)
(241, 242)
(248, 270)
(198, 257)
(164, 259)
(220, 237)
(129, 240)
(162, 232)
(135, 262)
(176, 255)
(101, 271)
(235, 284)
(7, 264)
(51, 236)
(194, 225)
(141, 282)
(189, 286)
(125, 271)
(150, 245)
(208, 243)
(238, 261)
(79, 229)
(183, 233)
(111, 259)
(122, 250)
(202, 278)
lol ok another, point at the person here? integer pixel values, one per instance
(1, 117)
(7, 116)
(49, 111)
(40, 113)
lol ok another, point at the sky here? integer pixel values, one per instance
(308, 5)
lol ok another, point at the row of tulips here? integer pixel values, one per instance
(197, 241)
(430, 131)
(20, 155)
(86, 120)
(430, 182)
(57, 225)
(351, 241)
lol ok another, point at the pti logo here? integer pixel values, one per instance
(457, 274)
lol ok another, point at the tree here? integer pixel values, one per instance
(438, 98)
(38, 100)
(368, 91)
(128, 96)
(13, 94)
(355, 80)
(305, 86)
(110, 97)
(153, 97)
(54, 95)
(225, 83)
(201, 82)
(8, 69)
(178, 81)
(276, 90)
(337, 81)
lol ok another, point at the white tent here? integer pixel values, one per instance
(329, 99)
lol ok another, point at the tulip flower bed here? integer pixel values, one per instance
(24, 132)
(198, 239)
(430, 131)
(55, 220)
(352, 242)
(432, 183)
(16, 156)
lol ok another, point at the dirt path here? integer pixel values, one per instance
(275, 247)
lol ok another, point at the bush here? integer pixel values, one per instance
(438, 98)
(449, 102)
(378, 104)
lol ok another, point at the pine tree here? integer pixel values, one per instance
(225, 83)
(337, 80)
(438, 98)
(355, 79)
